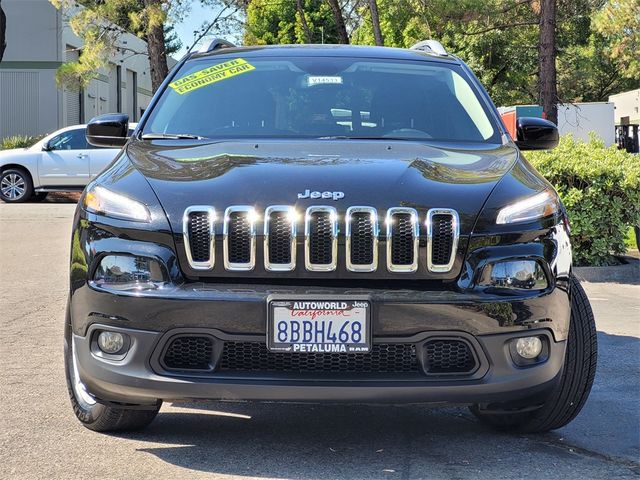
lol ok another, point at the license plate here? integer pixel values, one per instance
(319, 326)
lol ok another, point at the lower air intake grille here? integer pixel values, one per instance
(321, 238)
(443, 234)
(255, 357)
(449, 356)
(199, 236)
(189, 353)
(402, 239)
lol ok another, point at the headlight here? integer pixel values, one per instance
(519, 274)
(540, 205)
(105, 202)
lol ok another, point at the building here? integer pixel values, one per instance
(584, 119)
(39, 40)
(627, 107)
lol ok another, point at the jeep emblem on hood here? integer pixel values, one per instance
(309, 194)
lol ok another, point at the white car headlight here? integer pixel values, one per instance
(539, 205)
(105, 202)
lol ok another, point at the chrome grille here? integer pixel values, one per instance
(239, 238)
(198, 234)
(321, 227)
(321, 239)
(280, 238)
(362, 239)
(403, 233)
(442, 239)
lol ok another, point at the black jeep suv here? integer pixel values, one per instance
(325, 224)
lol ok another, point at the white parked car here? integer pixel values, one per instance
(62, 161)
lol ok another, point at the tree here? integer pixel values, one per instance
(274, 22)
(3, 32)
(375, 22)
(172, 43)
(151, 21)
(101, 23)
(308, 37)
(618, 21)
(339, 19)
(547, 82)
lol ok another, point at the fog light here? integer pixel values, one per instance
(111, 342)
(529, 347)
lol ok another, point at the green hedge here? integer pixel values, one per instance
(19, 141)
(600, 187)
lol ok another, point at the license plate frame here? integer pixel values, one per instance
(288, 302)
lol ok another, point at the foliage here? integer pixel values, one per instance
(270, 22)
(497, 38)
(619, 22)
(600, 187)
(19, 141)
(172, 43)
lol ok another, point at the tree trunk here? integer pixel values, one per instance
(3, 31)
(308, 38)
(375, 21)
(547, 83)
(156, 50)
(337, 14)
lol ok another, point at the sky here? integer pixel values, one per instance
(192, 22)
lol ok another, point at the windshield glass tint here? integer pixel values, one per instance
(322, 97)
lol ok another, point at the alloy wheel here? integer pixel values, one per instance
(12, 186)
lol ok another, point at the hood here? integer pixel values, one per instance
(12, 151)
(369, 173)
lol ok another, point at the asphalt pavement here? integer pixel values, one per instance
(40, 437)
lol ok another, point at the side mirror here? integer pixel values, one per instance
(108, 130)
(46, 147)
(536, 134)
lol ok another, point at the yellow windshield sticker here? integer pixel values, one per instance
(210, 75)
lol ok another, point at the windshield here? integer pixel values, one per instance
(321, 97)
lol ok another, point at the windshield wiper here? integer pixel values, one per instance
(171, 136)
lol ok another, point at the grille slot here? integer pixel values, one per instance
(449, 356)
(189, 352)
(402, 240)
(280, 239)
(198, 235)
(239, 238)
(442, 239)
(362, 239)
(255, 357)
(321, 239)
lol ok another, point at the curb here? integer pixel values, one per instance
(628, 272)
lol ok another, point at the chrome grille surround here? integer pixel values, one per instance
(250, 214)
(415, 232)
(186, 220)
(292, 217)
(333, 219)
(442, 267)
(375, 230)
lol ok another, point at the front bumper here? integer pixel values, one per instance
(238, 313)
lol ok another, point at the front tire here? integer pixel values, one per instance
(15, 186)
(574, 386)
(93, 415)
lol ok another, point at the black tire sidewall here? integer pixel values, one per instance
(28, 185)
(85, 415)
